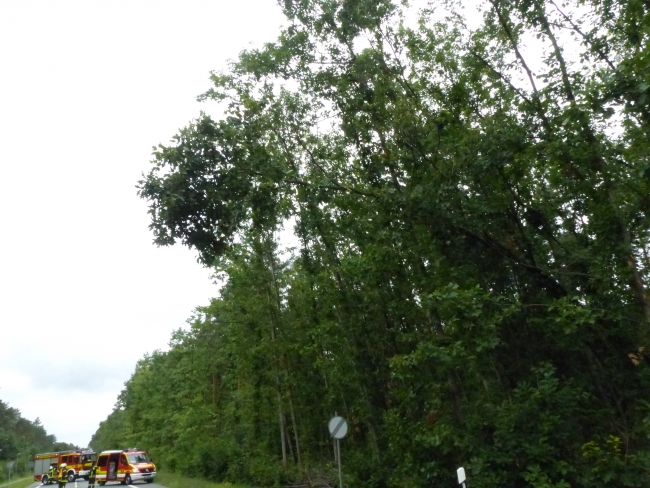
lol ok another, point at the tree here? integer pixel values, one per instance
(472, 280)
(21, 439)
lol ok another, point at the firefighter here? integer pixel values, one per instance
(52, 474)
(63, 476)
(92, 476)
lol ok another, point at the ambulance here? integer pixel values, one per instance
(78, 464)
(125, 466)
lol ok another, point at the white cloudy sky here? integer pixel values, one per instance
(87, 87)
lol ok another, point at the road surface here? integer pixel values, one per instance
(84, 484)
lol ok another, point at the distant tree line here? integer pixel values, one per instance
(470, 284)
(21, 439)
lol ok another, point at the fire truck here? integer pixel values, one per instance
(125, 466)
(78, 464)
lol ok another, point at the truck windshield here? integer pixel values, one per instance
(138, 458)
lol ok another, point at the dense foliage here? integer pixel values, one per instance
(470, 195)
(21, 439)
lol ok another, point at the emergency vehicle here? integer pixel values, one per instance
(125, 466)
(78, 464)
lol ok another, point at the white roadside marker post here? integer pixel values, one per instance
(460, 472)
(338, 428)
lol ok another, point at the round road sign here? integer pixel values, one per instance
(338, 427)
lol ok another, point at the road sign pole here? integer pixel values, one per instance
(338, 427)
(338, 449)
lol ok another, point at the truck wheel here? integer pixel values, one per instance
(44, 480)
(128, 479)
(101, 483)
(71, 477)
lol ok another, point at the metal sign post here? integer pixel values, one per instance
(338, 428)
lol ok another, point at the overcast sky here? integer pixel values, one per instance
(86, 89)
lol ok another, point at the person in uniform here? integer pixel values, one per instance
(52, 474)
(63, 475)
(92, 476)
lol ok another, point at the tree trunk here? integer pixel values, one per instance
(295, 430)
(282, 432)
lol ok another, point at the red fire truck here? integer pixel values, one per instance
(78, 464)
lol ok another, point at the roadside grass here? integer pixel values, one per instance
(173, 480)
(21, 483)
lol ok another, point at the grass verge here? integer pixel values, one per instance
(173, 480)
(21, 483)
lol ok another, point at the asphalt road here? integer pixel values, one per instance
(84, 484)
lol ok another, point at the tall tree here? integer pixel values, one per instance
(21, 439)
(471, 286)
